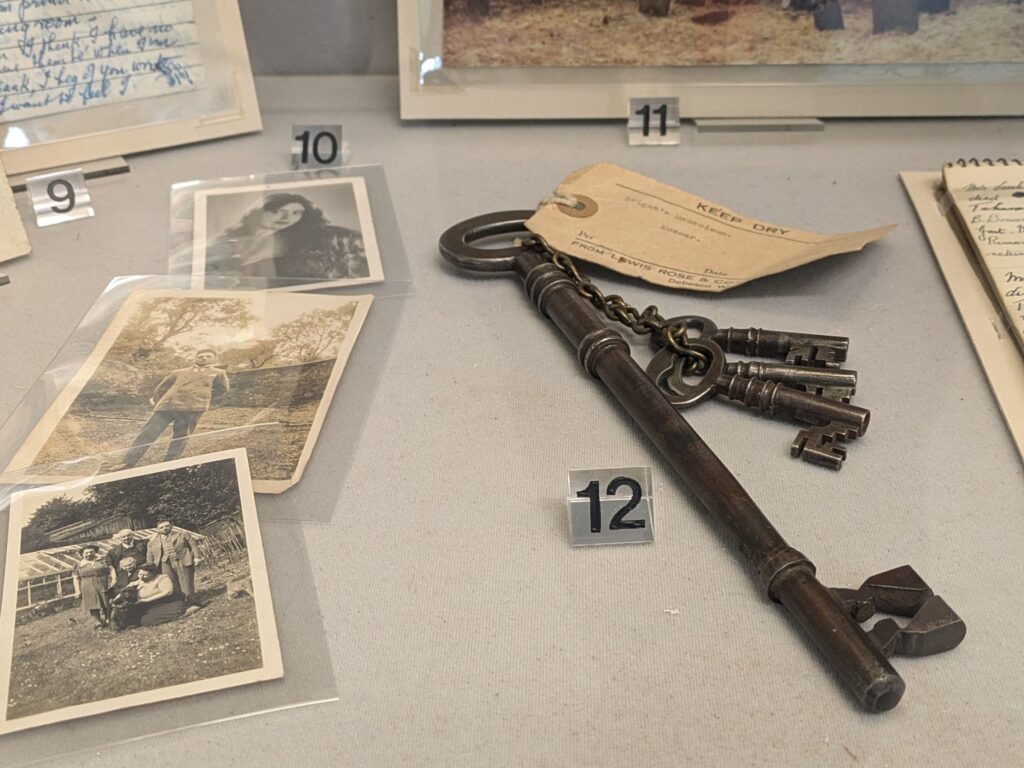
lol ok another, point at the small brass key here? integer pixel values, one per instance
(828, 617)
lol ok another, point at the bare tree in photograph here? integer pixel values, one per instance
(314, 335)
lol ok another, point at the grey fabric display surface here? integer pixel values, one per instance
(463, 627)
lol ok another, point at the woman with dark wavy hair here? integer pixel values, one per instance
(288, 237)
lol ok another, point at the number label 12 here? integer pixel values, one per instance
(611, 506)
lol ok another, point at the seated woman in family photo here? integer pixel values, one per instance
(286, 236)
(148, 601)
(93, 577)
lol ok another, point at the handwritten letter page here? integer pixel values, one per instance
(990, 203)
(63, 55)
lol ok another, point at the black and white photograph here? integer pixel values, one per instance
(299, 235)
(134, 587)
(184, 373)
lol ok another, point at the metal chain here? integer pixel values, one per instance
(648, 322)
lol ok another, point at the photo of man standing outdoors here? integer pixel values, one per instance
(180, 400)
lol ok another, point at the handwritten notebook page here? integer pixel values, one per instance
(63, 55)
(997, 351)
(989, 201)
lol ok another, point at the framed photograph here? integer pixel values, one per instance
(86, 80)
(111, 601)
(184, 373)
(535, 59)
(305, 234)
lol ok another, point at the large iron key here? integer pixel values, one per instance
(787, 576)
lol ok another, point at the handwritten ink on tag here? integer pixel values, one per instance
(669, 237)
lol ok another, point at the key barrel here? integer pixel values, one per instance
(771, 397)
(796, 376)
(787, 575)
(756, 342)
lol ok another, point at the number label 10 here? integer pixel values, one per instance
(316, 146)
(59, 197)
(610, 506)
(654, 121)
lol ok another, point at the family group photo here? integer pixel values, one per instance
(298, 235)
(138, 582)
(674, 33)
(184, 373)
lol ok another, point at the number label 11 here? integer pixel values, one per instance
(610, 506)
(59, 197)
(654, 121)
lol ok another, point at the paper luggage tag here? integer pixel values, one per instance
(13, 237)
(626, 222)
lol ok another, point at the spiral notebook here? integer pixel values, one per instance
(973, 215)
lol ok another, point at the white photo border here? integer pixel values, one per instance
(270, 648)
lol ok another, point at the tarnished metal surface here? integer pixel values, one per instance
(787, 576)
(833, 422)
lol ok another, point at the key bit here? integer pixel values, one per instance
(899, 591)
(824, 445)
(813, 355)
(934, 627)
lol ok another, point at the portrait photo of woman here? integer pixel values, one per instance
(290, 235)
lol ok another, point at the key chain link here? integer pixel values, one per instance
(648, 322)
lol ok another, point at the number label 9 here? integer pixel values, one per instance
(610, 506)
(59, 197)
(62, 192)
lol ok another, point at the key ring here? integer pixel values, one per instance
(665, 369)
(456, 244)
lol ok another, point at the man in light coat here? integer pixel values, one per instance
(180, 400)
